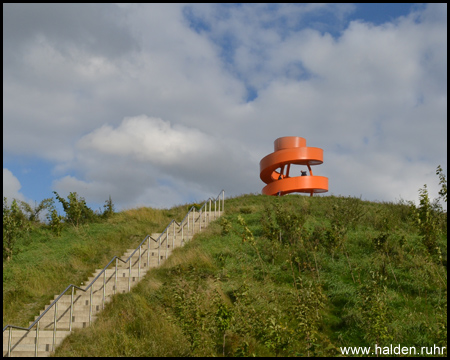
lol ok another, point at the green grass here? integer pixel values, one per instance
(349, 273)
(45, 264)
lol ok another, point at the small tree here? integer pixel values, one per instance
(109, 208)
(55, 220)
(76, 209)
(427, 221)
(14, 225)
(443, 183)
(373, 306)
(33, 213)
(224, 316)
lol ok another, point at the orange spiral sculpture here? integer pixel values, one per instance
(291, 150)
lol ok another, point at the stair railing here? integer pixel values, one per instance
(185, 222)
(163, 237)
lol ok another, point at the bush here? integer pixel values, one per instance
(76, 209)
(14, 226)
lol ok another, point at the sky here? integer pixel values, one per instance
(166, 104)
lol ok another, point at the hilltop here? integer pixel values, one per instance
(291, 276)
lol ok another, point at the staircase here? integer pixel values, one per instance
(78, 307)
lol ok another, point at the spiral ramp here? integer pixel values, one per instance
(275, 168)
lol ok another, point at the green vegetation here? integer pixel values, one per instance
(275, 276)
(291, 276)
(18, 220)
(46, 261)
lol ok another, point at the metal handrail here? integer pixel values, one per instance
(103, 271)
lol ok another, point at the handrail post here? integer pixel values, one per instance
(104, 290)
(188, 225)
(159, 248)
(129, 273)
(167, 242)
(209, 219)
(139, 264)
(71, 310)
(173, 237)
(200, 221)
(115, 279)
(182, 234)
(223, 201)
(37, 340)
(90, 305)
(215, 207)
(148, 252)
(54, 327)
(9, 341)
(193, 221)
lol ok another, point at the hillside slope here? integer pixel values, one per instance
(45, 264)
(292, 276)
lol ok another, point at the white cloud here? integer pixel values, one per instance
(144, 154)
(149, 139)
(11, 187)
(373, 97)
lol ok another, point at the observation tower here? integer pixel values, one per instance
(276, 172)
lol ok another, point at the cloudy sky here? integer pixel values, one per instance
(164, 104)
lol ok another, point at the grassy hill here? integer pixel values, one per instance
(275, 276)
(44, 264)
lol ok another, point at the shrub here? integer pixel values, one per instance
(76, 209)
(14, 226)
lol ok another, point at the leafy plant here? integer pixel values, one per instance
(427, 221)
(247, 235)
(14, 226)
(223, 317)
(442, 182)
(226, 226)
(191, 316)
(76, 210)
(307, 310)
(372, 304)
(33, 213)
(109, 208)
(277, 336)
(55, 221)
(282, 224)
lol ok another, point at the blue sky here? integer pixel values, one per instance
(164, 104)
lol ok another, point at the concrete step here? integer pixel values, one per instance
(110, 287)
(122, 284)
(82, 299)
(80, 317)
(169, 241)
(30, 347)
(28, 337)
(64, 325)
(97, 294)
(64, 309)
(135, 258)
(122, 273)
(27, 354)
(27, 342)
(122, 266)
(109, 283)
(81, 314)
(134, 262)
